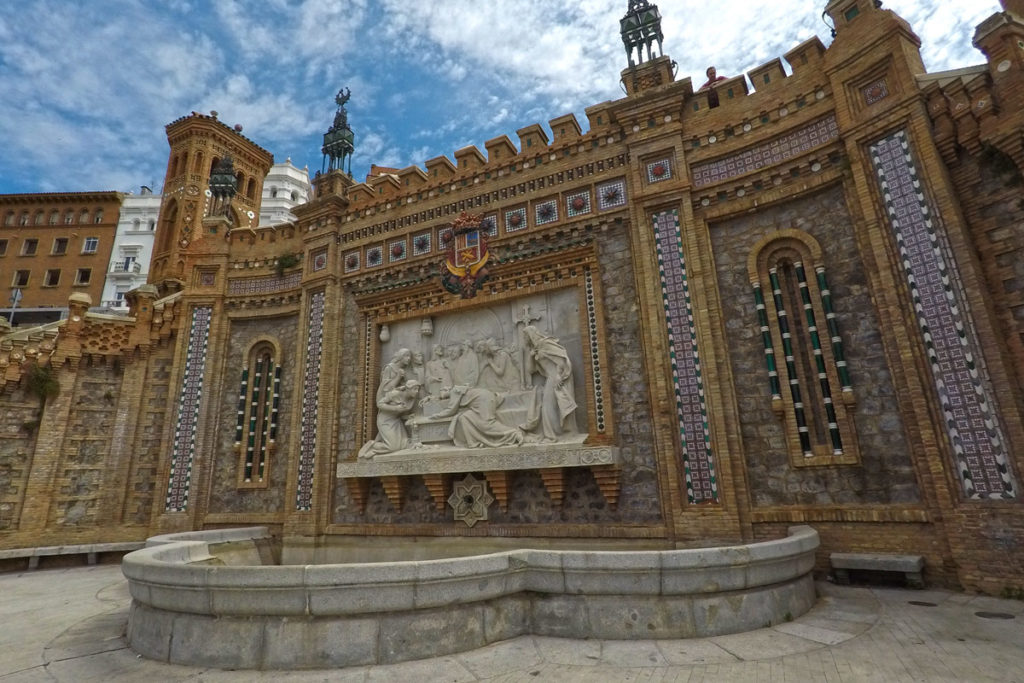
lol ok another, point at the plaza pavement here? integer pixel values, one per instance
(68, 625)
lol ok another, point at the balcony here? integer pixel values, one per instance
(125, 269)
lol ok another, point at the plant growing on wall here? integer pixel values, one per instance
(286, 261)
(41, 382)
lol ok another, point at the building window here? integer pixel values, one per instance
(808, 378)
(9, 218)
(136, 224)
(60, 246)
(83, 217)
(52, 278)
(23, 219)
(40, 217)
(69, 217)
(28, 247)
(3, 247)
(258, 401)
(83, 276)
(152, 225)
(54, 217)
(91, 245)
(98, 217)
(20, 278)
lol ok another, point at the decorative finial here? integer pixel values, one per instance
(640, 28)
(339, 140)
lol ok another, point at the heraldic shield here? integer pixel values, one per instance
(465, 266)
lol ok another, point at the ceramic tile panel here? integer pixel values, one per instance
(691, 409)
(965, 397)
(189, 402)
(766, 154)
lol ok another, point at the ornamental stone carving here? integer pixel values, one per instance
(496, 378)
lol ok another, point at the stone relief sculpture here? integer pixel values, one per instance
(495, 381)
(392, 408)
(555, 409)
(439, 374)
(474, 421)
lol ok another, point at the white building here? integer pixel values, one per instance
(284, 188)
(133, 247)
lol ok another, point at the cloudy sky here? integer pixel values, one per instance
(86, 88)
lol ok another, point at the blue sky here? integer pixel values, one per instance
(87, 88)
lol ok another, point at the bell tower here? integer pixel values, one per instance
(641, 32)
(212, 170)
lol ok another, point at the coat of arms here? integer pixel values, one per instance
(465, 266)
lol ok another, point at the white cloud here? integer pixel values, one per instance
(85, 100)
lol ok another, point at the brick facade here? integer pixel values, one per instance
(798, 304)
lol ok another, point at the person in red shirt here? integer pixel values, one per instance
(713, 78)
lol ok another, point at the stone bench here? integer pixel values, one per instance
(90, 550)
(909, 565)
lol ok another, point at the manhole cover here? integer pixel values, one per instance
(994, 615)
(921, 603)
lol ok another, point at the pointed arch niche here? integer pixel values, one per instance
(808, 379)
(259, 397)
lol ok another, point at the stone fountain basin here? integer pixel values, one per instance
(195, 602)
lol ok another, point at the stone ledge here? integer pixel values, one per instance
(529, 457)
(877, 562)
(90, 550)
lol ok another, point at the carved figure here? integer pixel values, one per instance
(392, 408)
(438, 375)
(464, 364)
(554, 411)
(498, 372)
(475, 423)
(393, 373)
(418, 370)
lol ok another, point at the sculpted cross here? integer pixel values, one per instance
(525, 317)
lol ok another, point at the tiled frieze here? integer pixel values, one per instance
(352, 261)
(577, 204)
(189, 402)
(489, 225)
(766, 154)
(264, 285)
(658, 170)
(546, 212)
(310, 402)
(611, 195)
(691, 409)
(397, 251)
(515, 220)
(965, 397)
(421, 243)
(875, 92)
(319, 260)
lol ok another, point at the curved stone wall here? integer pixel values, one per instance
(189, 607)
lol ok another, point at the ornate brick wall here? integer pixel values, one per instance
(18, 427)
(884, 474)
(225, 494)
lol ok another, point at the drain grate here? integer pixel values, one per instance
(994, 615)
(922, 603)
